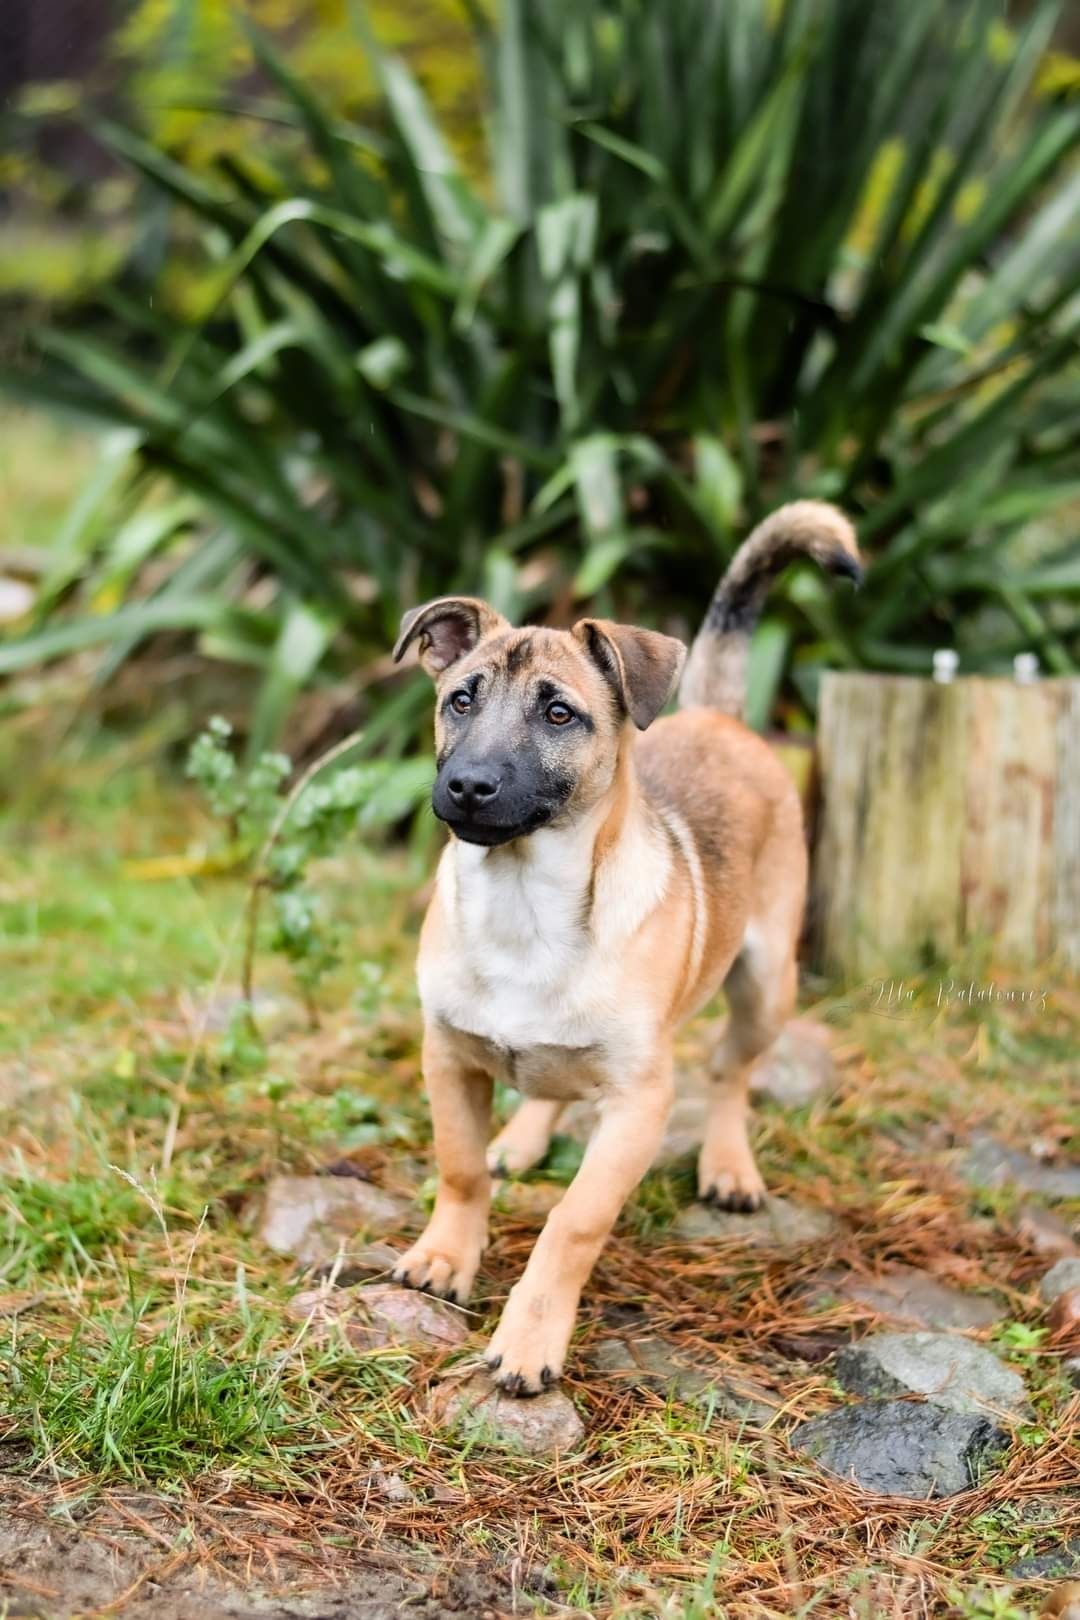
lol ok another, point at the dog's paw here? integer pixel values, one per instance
(740, 1191)
(436, 1270)
(526, 1362)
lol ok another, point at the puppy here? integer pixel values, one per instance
(604, 877)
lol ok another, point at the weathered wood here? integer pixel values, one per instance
(949, 816)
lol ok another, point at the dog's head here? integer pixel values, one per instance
(528, 722)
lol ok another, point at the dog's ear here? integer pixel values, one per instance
(642, 666)
(448, 628)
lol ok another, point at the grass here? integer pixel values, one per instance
(43, 463)
(144, 1329)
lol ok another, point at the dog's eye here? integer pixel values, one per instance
(461, 702)
(558, 714)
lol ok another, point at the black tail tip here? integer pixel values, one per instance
(848, 567)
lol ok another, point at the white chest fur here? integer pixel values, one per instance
(526, 960)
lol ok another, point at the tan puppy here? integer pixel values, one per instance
(598, 888)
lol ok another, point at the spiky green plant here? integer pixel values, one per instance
(726, 253)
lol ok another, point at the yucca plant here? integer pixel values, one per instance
(727, 252)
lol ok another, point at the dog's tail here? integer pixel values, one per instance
(715, 673)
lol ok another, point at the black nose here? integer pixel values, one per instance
(473, 789)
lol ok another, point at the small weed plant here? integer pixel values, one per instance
(279, 831)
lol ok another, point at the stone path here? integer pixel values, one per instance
(932, 1406)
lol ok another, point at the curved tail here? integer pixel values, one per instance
(715, 673)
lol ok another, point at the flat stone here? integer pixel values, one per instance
(907, 1294)
(654, 1364)
(361, 1265)
(1046, 1232)
(1052, 1565)
(372, 1318)
(899, 1448)
(1071, 1368)
(797, 1067)
(780, 1223)
(1062, 1277)
(989, 1163)
(312, 1217)
(949, 1371)
(535, 1427)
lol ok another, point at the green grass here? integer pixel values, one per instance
(145, 1329)
(44, 461)
(156, 1407)
(62, 1227)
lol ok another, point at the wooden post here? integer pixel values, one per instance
(949, 814)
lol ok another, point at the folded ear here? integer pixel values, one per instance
(642, 666)
(448, 628)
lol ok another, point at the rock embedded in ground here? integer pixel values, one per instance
(949, 1371)
(1052, 1565)
(654, 1364)
(1046, 1232)
(901, 1448)
(360, 1265)
(798, 1067)
(536, 1426)
(381, 1315)
(1071, 1368)
(1062, 1277)
(314, 1217)
(908, 1294)
(781, 1223)
(989, 1163)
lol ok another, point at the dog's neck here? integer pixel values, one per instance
(548, 884)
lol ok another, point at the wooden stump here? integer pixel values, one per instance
(950, 814)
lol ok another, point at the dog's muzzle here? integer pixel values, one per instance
(482, 803)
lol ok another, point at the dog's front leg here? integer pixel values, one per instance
(446, 1258)
(527, 1351)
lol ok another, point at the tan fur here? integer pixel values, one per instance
(563, 962)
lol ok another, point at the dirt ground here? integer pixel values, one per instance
(147, 1557)
(254, 1468)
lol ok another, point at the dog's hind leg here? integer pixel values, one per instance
(525, 1138)
(760, 990)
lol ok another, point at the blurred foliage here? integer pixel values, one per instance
(177, 64)
(720, 254)
(279, 834)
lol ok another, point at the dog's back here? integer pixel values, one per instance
(735, 802)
